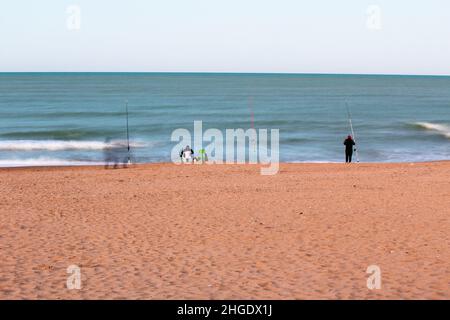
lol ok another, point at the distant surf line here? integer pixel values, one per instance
(59, 145)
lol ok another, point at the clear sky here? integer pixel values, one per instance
(296, 36)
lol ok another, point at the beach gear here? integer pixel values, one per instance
(203, 157)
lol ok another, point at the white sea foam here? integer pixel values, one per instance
(44, 162)
(441, 129)
(57, 145)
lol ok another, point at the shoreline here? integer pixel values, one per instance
(149, 164)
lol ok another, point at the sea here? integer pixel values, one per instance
(58, 119)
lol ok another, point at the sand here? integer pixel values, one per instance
(225, 232)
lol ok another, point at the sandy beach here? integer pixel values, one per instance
(163, 231)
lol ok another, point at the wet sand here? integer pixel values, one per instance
(226, 232)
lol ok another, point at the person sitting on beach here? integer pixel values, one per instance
(349, 143)
(187, 154)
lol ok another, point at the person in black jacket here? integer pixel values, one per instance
(349, 143)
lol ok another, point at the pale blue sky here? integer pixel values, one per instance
(296, 36)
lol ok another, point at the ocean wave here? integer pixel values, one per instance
(58, 145)
(442, 129)
(57, 134)
(44, 162)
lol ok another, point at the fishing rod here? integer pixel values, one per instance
(252, 120)
(252, 115)
(351, 128)
(128, 133)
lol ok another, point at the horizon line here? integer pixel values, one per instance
(233, 73)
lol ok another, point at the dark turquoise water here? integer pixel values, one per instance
(66, 118)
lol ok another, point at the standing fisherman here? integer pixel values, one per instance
(128, 138)
(349, 143)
